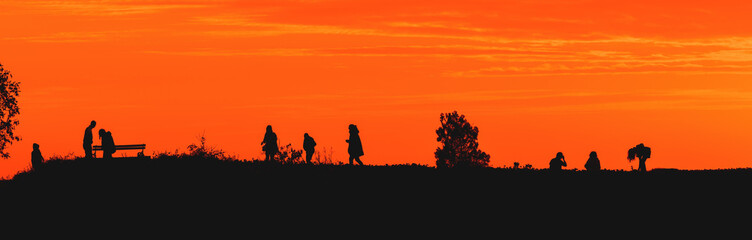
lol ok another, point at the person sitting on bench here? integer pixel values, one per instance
(108, 144)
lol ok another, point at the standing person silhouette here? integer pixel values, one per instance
(557, 162)
(593, 164)
(270, 144)
(89, 139)
(308, 146)
(355, 149)
(108, 143)
(36, 157)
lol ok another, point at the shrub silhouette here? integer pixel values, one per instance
(289, 155)
(640, 152)
(459, 140)
(8, 110)
(200, 150)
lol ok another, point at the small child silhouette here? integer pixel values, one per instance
(36, 157)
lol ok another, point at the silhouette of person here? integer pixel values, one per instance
(89, 139)
(270, 147)
(36, 157)
(557, 162)
(593, 164)
(108, 143)
(308, 146)
(355, 149)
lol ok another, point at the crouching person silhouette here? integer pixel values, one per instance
(593, 164)
(556, 163)
(309, 146)
(108, 144)
(36, 157)
(355, 149)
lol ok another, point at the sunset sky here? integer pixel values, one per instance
(536, 77)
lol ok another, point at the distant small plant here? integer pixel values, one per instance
(323, 157)
(62, 157)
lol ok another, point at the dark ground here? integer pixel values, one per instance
(171, 189)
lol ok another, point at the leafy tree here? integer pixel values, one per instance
(459, 140)
(8, 110)
(640, 152)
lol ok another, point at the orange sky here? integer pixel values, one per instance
(536, 77)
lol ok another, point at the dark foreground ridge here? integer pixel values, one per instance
(196, 186)
(185, 175)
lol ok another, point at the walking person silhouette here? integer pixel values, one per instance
(108, 143)
(36, 157)
(593, 164)
(355, 149)
(557, 162)
(270, 147)
(308, 146)
(89, 139)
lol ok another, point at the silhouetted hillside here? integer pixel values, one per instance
(176, 186)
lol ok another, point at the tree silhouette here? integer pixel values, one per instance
(459, 140)
(8, 110)
(640, 152)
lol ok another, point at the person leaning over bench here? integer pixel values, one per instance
(108, 144)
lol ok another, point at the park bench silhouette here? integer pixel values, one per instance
(123, 147)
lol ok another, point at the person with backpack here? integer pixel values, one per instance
(308, 146)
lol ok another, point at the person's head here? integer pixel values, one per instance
(35, 146)
(559, 155)
(353, 128)
(101, 132)
(593, 154)
(93, 123)
(306, 135)
(268, 128)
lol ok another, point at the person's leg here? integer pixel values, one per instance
(359, 162)
(351, 159)
(309, 155)
(87, 151)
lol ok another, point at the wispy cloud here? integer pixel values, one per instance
(106, 7)
(76, 37)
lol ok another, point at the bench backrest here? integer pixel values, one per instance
(123, 147)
